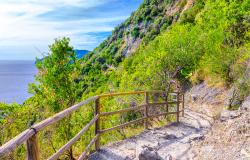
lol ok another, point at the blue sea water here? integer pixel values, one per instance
(14, 79)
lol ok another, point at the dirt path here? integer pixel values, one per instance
(172, 141)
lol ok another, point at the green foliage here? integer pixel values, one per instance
(143, 25)
(182, 3)
(207, 46)
(209, 42)
(220, 47)
(241, 72)
(57, 85)
(14, 119)
(176, 49)
(150, 16)
(6, 109)
(189, 15)
(135, 32)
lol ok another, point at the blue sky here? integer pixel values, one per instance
(29, 26)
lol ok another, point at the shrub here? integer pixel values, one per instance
(135, 32)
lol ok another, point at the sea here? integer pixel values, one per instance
(15, 75)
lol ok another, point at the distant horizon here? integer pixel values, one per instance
(35, 57)
(28, 27)
(32, 59)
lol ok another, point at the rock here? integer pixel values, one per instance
(194, 97)
(169, 157)
(246, 104)
(226, 115)
(245, 153)
(170, 136)
(196, 137)
(236, 102)
(149, 153)
(193, 137)
(233, 100)
(202, 93)
(210, 94)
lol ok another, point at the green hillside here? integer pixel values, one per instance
(164, 45)
(199, 40)
(151, 19)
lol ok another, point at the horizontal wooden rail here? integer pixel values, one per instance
(17, 141)
(73, 140)
(61, 114)
(135, 108)
(84, 154)
(161, 114)
(133, 93)
(162, 92)
(122, 111)
(122, 125)
(163, 103)
(30, 135)
(121, 94)
(136, 121)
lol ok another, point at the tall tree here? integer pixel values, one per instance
(56, 82)
(57, 85)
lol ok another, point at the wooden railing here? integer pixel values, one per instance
(30, 135)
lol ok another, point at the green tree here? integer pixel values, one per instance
(57, 85)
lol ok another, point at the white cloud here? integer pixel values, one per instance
(21, 28)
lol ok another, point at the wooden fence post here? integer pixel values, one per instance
(97, 123)
(178, 108)
(166, 100)
(183, 107)
(32, 148)
(146, 110)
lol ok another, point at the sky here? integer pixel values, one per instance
(27, 27)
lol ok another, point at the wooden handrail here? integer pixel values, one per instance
(122, 110)
(123, 125)
(73, 140)
(85, 152)
(24, 136)
(135, 92)
(161, 114)
(62, 114)
(17, 141)
(121, 94)
(30, 135)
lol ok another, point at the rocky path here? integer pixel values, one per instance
(229, 138)
(173, 141)
(207, 132)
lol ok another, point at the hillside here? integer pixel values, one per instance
(81, 53)
(187, 40)
(150, 20)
